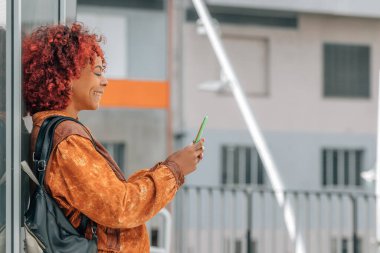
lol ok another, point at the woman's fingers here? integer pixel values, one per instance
(199, 150)
(199, 155)
(199, 145)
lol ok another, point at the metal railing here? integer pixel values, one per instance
(244, 219)
(162, 223)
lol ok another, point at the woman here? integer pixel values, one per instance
(63, 74)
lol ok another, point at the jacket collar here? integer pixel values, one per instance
(39, 117)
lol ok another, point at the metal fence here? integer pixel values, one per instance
(160, 232)
(244, 219)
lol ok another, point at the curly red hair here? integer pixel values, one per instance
(53, 56)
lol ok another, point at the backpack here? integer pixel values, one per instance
(47, 230)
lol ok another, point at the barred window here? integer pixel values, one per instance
(346, 70)
(342, 167)
(117, 152)
(242, 165)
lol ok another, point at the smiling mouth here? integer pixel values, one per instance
(98, 93)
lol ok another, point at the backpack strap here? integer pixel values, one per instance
(41, 155)
(68, 128)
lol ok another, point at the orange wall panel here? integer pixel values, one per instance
(136, 94)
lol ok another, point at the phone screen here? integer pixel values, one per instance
(199, 134)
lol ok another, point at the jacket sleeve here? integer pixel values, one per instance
(81, 177)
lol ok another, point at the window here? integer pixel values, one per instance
(241, 165)
(154, 234)
(342, 167)
(250, 57)
(345, 246)
(117, 152)
(346, 71)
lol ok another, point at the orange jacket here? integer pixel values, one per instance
(84, 180)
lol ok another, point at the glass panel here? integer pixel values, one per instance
(119, 155)
(248, 166)
(2, 124)
(38, 12)
(35, 13)
(224, 165)
(235, 169)
(358, 166)
(335, 167)
(346, 168)
(324, 167)
(129, 32)
(260, 172)
(117, 151)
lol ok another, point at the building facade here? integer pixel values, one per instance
(310, 74)
(310, 79)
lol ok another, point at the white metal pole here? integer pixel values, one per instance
(8, 126)
(16, 125)
(62, 12)
(378, 172)
(253, 127)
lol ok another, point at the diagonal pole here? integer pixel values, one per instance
(258, 139)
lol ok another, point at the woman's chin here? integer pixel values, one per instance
(92, 107)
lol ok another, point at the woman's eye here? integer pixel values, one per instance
(98, 74)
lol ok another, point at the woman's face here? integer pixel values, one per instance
(88, 89)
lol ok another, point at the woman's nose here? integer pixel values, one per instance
(104, 81)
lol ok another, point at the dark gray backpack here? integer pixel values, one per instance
(47, 230)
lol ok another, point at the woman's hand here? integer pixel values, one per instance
(188, 157)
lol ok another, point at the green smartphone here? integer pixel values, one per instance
(199, 134)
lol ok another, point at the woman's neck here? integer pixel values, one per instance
(71, 111)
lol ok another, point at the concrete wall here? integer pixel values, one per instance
(296, 118)
(142, 131)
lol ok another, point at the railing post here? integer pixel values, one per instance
(354, 225)
(249, 221)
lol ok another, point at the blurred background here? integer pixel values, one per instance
(309, 71)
